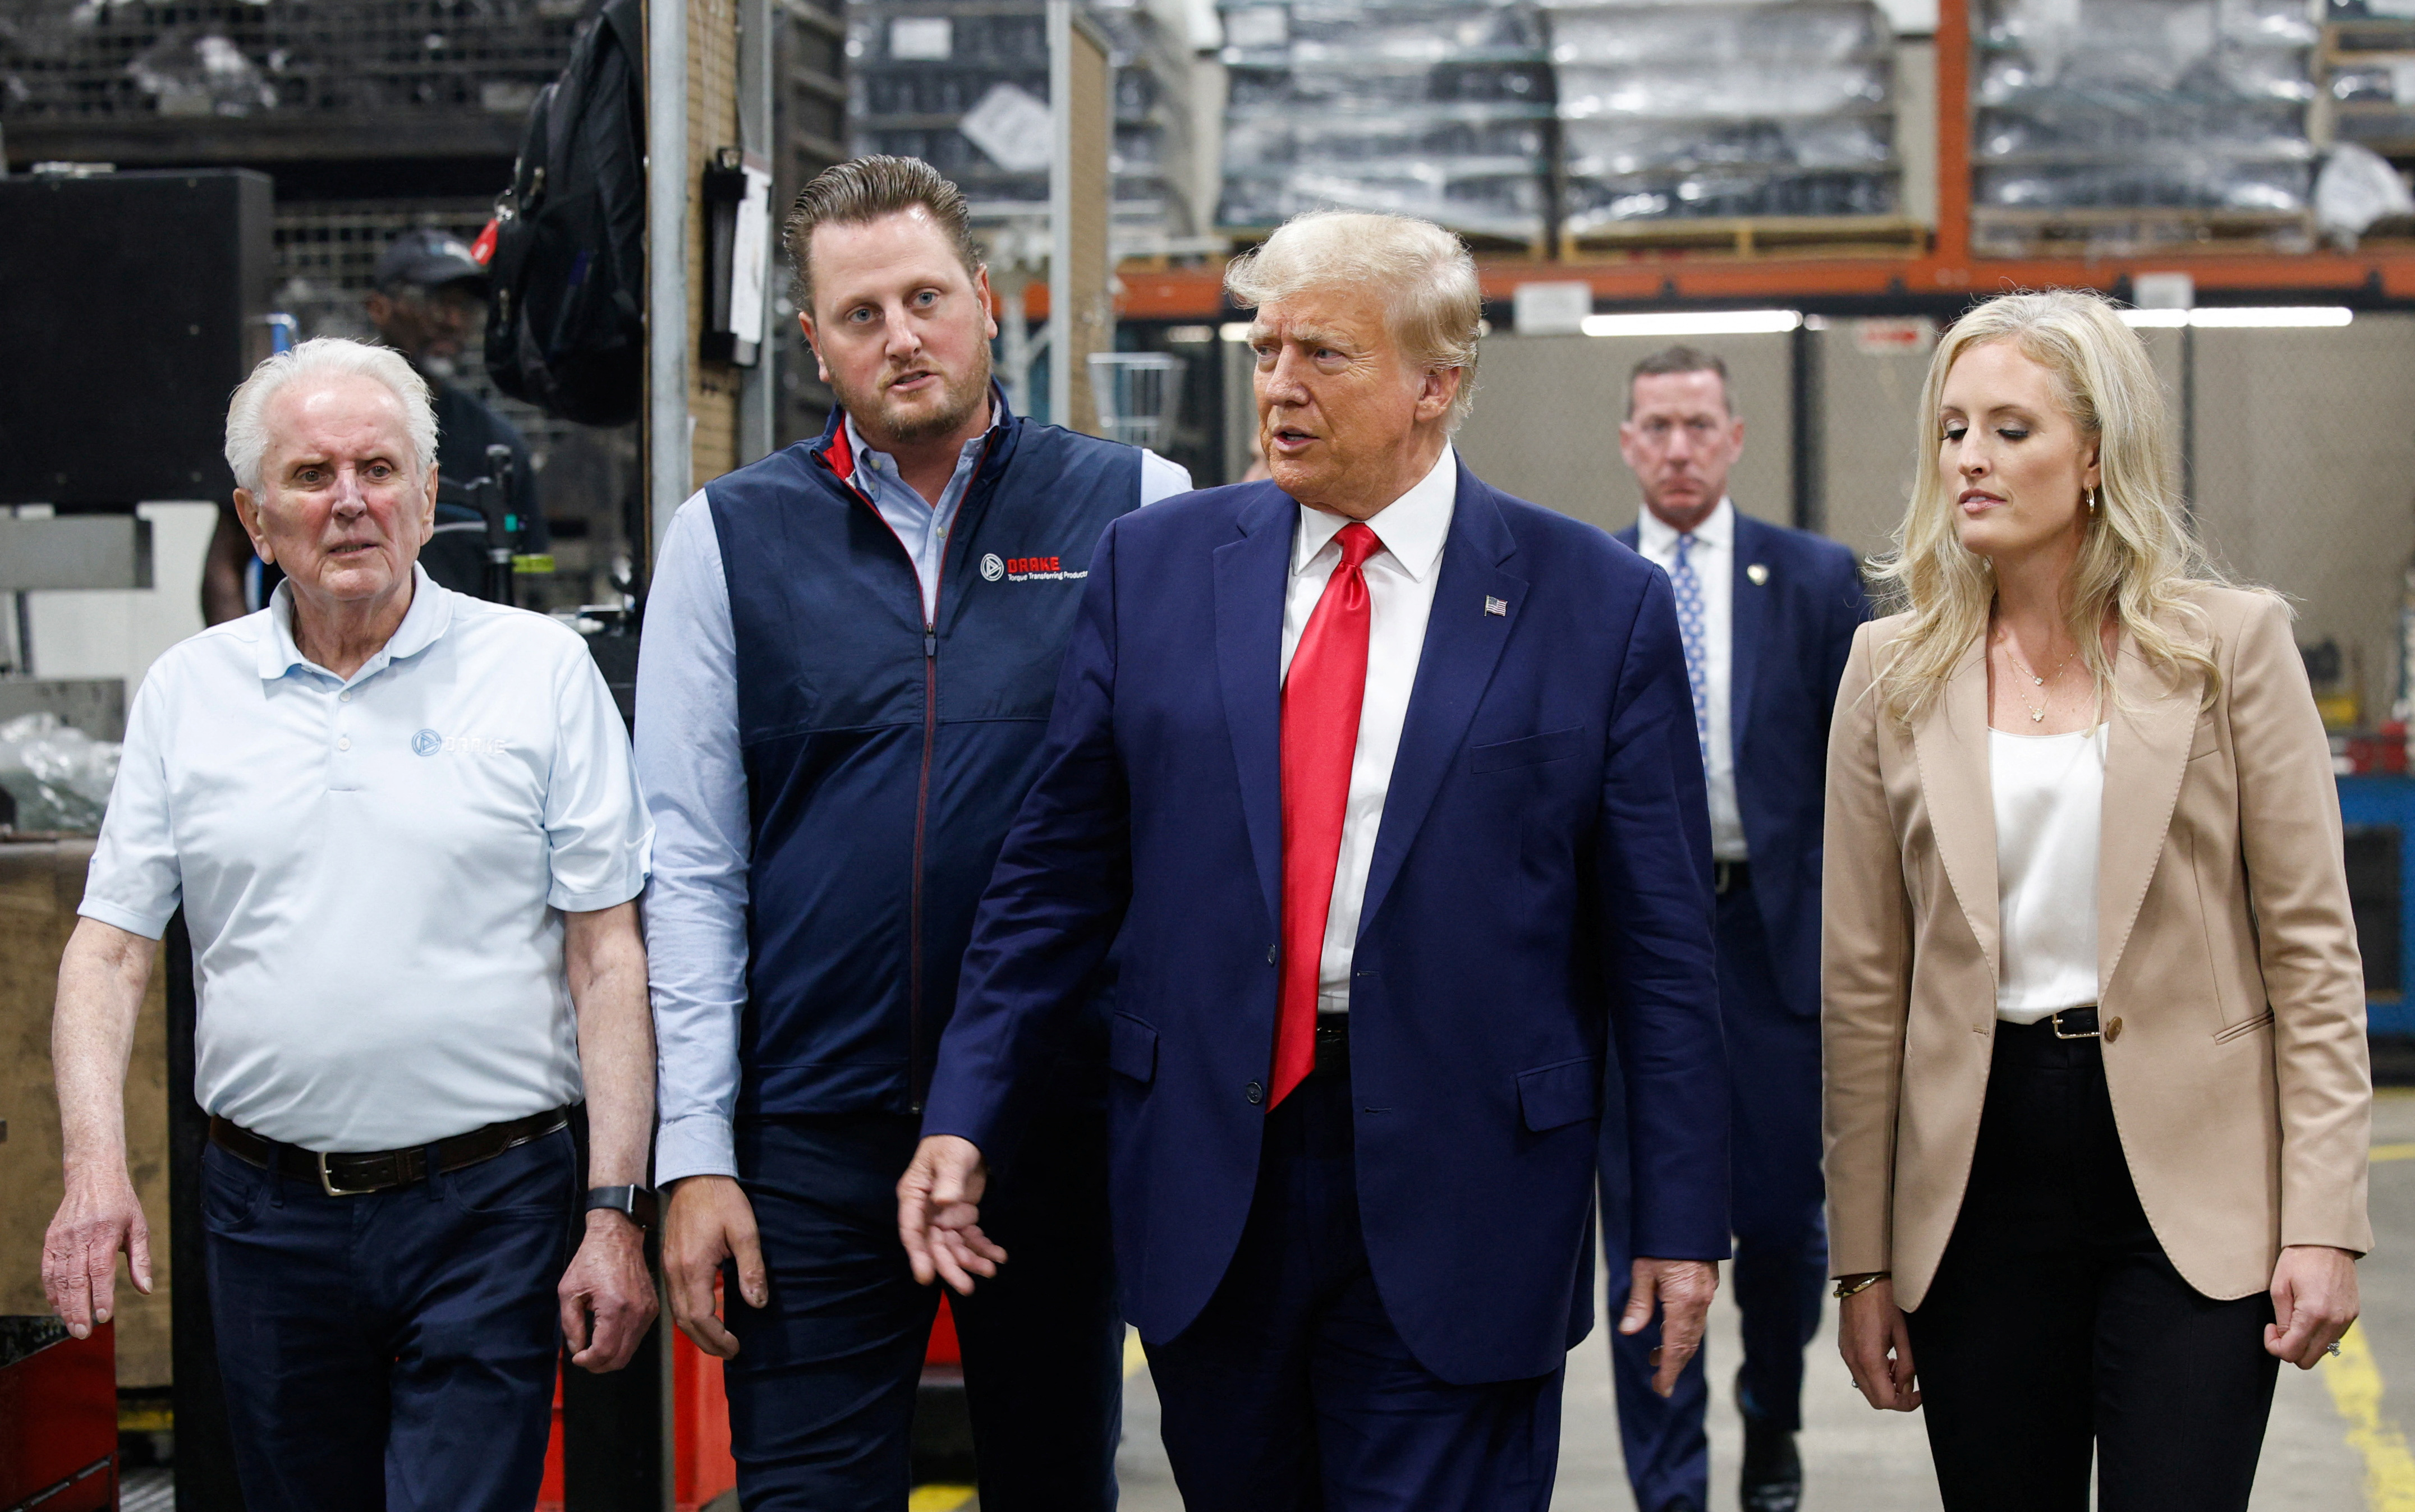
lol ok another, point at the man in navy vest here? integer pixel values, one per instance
(1381, 788)
(1766, 616)
(849, 658)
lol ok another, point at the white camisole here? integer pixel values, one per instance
(2049, 798)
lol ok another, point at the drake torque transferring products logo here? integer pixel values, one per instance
(1027, 569)
(427, 743)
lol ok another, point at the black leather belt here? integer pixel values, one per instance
(1731, 877)
(2067, 1024)
(1332, 1043)
(355, 1174)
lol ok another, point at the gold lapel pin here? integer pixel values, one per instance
(1758, 572)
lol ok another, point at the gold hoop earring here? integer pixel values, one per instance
(2092, 500)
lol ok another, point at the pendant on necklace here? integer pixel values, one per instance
(2039, 680)
(2038, 717)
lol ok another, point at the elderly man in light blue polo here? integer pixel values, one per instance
(407, 837)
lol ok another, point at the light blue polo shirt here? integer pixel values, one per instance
(373, 871)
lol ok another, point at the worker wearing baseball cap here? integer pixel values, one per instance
(430, 293)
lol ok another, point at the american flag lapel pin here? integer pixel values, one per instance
(1496, 606)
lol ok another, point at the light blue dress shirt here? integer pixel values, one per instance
(694, 780)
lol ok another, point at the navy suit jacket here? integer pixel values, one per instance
(1534, 981)
(1791, 631)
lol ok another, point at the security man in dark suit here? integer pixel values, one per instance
(1766, 616)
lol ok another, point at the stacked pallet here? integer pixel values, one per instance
(1431, 108)
(2120, 126)
(1673, 114)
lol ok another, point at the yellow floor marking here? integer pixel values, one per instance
(2355, 1383)
(1135, 1357)
(938, 1498)
(2393, 1152)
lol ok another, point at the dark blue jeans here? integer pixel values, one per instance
(821, 1394)
(393, 1351)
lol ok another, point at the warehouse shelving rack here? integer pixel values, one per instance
(1938, 274)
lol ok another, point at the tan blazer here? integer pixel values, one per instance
(2230, 990)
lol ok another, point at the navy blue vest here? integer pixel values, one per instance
(885, 757)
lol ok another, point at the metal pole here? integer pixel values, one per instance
(205, 1478)
(2188, 423)
(667, 468)
(759, 386)
(1060, 214)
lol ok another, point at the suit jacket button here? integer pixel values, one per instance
(2112, 1031)
(1255, 1092)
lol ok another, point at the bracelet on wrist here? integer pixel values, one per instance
(1854, 1285)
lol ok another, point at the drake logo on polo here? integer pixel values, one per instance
(1027, 569)
(427, 743)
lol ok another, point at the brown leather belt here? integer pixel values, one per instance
(354, 1174)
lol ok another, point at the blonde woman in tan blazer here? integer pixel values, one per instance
(2097, 1091)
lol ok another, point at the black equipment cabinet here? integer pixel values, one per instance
(131, 306)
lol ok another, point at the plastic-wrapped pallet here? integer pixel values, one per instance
(963, 85)
(1431, 108)
(1724, 109)
(2148, 120)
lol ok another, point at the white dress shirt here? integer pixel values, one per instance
(1713, 559)
(2049, 801)
(1400, 595)
(374, 869)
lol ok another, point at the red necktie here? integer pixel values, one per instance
(1320, 736)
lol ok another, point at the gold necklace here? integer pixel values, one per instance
(2037, 714)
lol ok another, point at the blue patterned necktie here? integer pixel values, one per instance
(1690, 635)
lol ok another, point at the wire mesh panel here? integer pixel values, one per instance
(1137, 393)
(64, 61)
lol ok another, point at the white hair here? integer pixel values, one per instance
(1434, 305)
(246, 431)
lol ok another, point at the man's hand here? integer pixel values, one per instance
(606, 1281)
(1877, 1346)
(98, 1218)
(938, 1213)
(710, 1221)
(2314, 1299)
(1683, 1289)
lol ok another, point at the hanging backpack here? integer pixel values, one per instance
(566, 317)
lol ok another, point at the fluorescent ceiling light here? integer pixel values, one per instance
(1696, 322)
(2241, 317)
(1233, 330)
(2237, 317)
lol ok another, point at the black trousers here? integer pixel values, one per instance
(2057, 1326)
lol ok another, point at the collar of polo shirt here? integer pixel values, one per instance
(430, 612)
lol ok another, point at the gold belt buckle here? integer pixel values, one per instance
(328, 1185)
(2084, 1034)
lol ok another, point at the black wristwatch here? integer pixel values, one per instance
(635, 1203)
